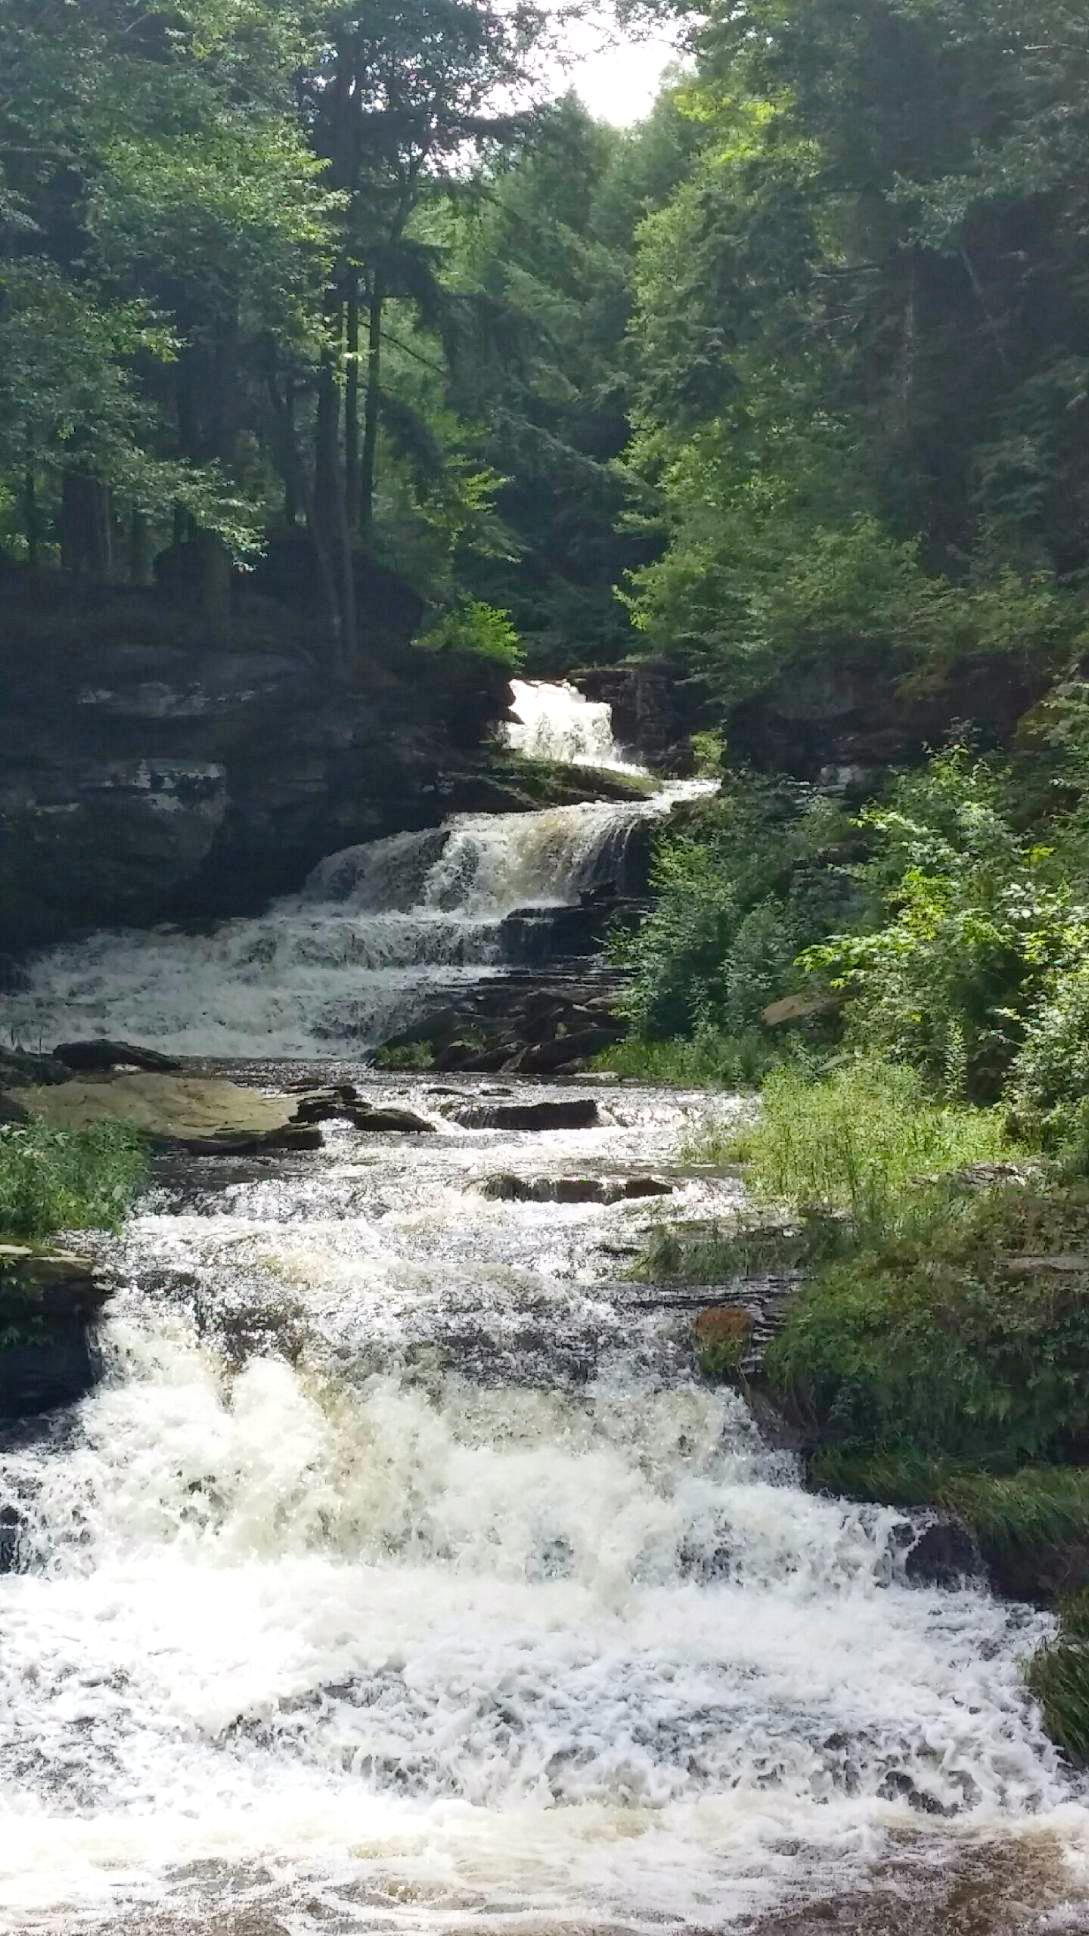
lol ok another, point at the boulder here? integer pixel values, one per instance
(505, 1187)
(48, 1305)
(563, 1051)
(283, 1142)
(942, 1555)
(101, 1056)
(20, 1070)
(579, 1112)
(389, 1121)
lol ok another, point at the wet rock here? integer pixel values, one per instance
(165, 1106)
(327, 1104)
(389, 1122)
(564, 1051)
(19, 1070)
(290, 1140)
(49, 1302)
(505, 1187)
(941, 1555)
(580, 1112)
(101, 1056)
(11, 1531)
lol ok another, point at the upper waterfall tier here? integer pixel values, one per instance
(555, 722)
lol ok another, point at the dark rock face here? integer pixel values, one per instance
(941, 1555)
(544, 1024)
(841, 726)
(653, 715)
(505, 1187)
(147, 781)
(48, 1307)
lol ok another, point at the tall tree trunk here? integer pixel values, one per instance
(215, 567)
(298, 490)
(372, 404)
(139, 550)
(352, 480)
(32, 517)
(86, 530)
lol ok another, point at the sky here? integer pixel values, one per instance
(618, 83)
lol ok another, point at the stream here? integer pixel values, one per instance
(402, 1575)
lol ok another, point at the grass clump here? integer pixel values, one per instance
(943, 1335)
(710, 1059)
(858, 1138)
(405, 1055)
(1059, 1679)
(62, 1179)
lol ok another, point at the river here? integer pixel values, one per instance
(402, 1575)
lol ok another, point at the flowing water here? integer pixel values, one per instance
(375, 933)
(401, 1575)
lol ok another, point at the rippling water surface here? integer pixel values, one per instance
(401, 1575)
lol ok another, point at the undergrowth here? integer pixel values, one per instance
(62, 1179)
(1059, 1679)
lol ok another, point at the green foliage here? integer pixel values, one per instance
(736, 898)
(58, 1179)
(708, 1059)
(857, 1139)
(977, 923)
(405, 1055)
(1059, 1679)
(475, 627)
(941, 1340)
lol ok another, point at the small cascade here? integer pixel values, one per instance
(377, 933)
(556, 722)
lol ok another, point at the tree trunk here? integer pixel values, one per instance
(139, 550)
(352, 481)
(372, 405)
(32, 518)
(86, 532)
(215, 585)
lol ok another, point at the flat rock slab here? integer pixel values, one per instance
(578, 1113)
(175, 1107)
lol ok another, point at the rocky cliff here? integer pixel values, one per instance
(147, 774)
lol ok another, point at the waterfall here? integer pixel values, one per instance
(399, 1575)
(376, 933)
(557, 722)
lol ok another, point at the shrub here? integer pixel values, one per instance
(929, 1344)
(59, 1179)
(977, 920)
(752, 881)
(476, 627)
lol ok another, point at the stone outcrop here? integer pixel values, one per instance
(841, 724)
(49, 1302)
(552, 1023)
(146, 774)
(572, 1112)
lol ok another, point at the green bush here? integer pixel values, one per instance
(937, 1344)
(749, 884)
(60, 1179)
(709, 1059)
(476, 627)
(970, 921)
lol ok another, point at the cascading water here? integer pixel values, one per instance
(372, 937)
(559, 723)
(400, 1575)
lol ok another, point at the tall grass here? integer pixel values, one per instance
(62, 1179)
(855, 1141)
(707, 1060)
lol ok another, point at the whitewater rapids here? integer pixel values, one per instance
(401, 1575)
